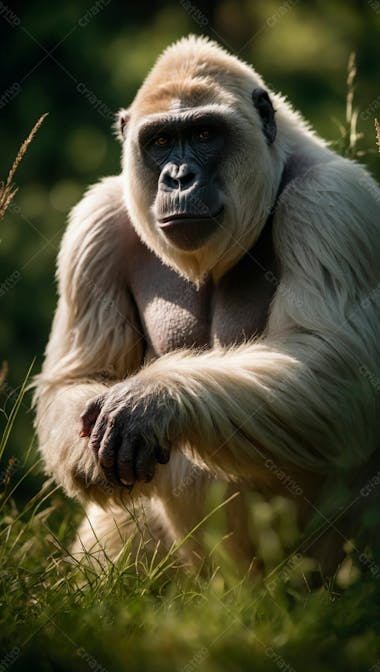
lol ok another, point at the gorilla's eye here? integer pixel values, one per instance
(204, 134)
(162, 140)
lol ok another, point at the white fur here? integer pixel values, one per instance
(298, 395)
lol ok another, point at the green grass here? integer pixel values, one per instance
(57, 614)
(63, 616)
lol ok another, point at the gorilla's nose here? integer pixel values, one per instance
(178, 177)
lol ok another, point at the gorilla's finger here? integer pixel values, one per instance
(97, 433)
(90, 414)
(110, 444)
(108, 453)
(126, 461)
(111, 476)
(145, 464)
(162, 454)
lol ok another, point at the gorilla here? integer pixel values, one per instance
(218, 318)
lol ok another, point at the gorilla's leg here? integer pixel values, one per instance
(140, 529)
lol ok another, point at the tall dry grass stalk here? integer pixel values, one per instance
(7, 189)
(7, 193)
(350, 132)
(3, 374)
(377, 127)
(351, 75)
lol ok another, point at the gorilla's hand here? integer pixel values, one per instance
(130, 431)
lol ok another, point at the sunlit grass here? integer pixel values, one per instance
(53, 609)
(60, 613)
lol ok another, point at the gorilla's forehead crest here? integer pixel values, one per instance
(188, 93)
(175, 105)
(192, 72)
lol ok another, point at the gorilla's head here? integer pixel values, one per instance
(201, 161)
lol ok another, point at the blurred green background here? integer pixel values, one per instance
(81, 61)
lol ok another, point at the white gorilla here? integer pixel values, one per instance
(218, 314)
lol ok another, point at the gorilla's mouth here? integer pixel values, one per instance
(189, 231)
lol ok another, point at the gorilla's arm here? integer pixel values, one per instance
(95, 339)
(301, 395)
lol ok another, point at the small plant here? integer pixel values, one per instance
(7, 189)
(347, 145)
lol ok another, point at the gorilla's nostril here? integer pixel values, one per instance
(187, 179)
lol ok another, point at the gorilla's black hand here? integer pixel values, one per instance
(129, 430)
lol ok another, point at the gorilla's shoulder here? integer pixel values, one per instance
(328, 184)
(103, 198)
(96, 224)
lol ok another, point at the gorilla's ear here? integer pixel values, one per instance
(121, 122)
(263, 105)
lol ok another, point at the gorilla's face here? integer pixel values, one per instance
(200, 163)
(183, 153)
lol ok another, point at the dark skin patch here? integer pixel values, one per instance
(175, 314)
(182, 151)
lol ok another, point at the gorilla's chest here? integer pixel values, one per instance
(174, 314)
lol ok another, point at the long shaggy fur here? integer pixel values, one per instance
(303, 395)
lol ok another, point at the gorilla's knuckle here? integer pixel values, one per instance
(106, 459)
(125, 459)
(94, 441)
(114, 418)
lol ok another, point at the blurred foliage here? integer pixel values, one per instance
(80, 62)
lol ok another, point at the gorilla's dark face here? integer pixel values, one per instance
(183, 151)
